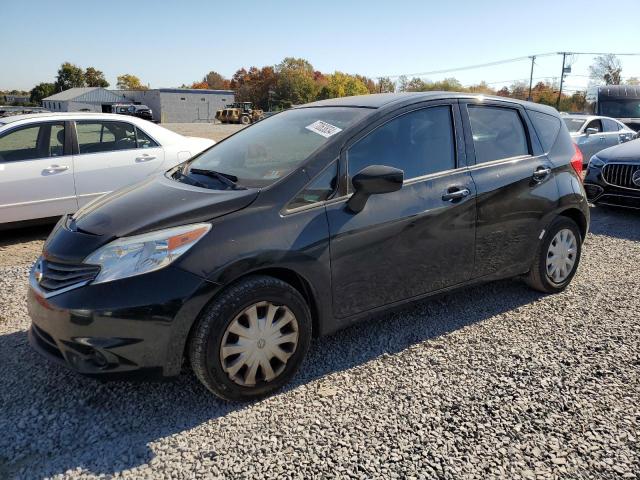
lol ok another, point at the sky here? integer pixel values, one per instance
(168, 43)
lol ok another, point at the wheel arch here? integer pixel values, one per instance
(577, 216)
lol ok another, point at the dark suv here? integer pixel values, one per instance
(302, 224)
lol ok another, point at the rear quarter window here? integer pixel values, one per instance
(547, 127)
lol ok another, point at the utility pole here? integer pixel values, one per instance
(564, 57)
(533, 61)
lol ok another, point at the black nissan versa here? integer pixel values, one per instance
(300, 225)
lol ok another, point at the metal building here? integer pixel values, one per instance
(169, 105)
(86, 99)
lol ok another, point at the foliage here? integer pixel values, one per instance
(200, 85)
(295, 81)
(40, 91)
(69, 76)
(215, 81)
(385, 85)
(632, 81)
(95, 78)
(343, 85)
(606, 68)
(130, 82)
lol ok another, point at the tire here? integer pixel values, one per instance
(539, 277)
(245, 120)
(228, 312)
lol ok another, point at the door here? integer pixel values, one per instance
(515, 186)
(36, 172)
(413, 241)
(112, 155)
(591, 144)
(612, 134)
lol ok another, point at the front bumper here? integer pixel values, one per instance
(135, 327)
(600, 192)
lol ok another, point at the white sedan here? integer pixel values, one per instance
(54, 163)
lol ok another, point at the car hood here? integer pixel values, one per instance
(625, 152)
(198, 144)
(156, 203)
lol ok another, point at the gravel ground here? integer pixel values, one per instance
(214, 131)
(495, 382)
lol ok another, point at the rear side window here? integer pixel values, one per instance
(547, 127)
(497, 133)
(41, 141)
(144, 140)
(419, 143)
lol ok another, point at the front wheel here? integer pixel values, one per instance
(558, 256)
(251, 340)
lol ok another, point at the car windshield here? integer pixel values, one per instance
(620, 108)
(574, 124)
(267, 151)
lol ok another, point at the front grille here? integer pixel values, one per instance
(56, 276)
(620, 174)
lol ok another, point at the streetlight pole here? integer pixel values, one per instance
(533, 61)
(564, 57)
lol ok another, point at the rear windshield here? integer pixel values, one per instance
(574, 124)
(267, 151)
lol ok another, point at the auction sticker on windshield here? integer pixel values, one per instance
(323, 128)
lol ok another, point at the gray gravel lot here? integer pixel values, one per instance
(494, 382)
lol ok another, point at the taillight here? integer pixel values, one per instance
(576, 161)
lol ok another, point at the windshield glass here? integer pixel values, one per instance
(574, 124)
(620, 108)
(267, 151)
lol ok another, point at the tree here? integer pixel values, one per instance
(215, 81)
(606, 68)
(295, 81)
(255, 85)
(504, 92)
(403, 82)
(69, 76)
(129, 82)
(199, 85)
(343, 85)
(385, 85)
(632, 81)
(95, 78)
(40, 91)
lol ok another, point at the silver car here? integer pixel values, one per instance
(593, 133)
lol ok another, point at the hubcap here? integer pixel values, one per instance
(561, 256)
(258, 343)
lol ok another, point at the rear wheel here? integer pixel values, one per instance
(252, 339)
(245, 120)
(557, 258)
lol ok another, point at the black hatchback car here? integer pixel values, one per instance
(300, 225)
(613, 176)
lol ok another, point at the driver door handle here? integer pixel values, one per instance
(56, 168)
(145, 158)
(455, 193)
(541, 173)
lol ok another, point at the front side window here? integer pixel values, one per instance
(609, 125)
(419, 143)
(96, 137)
(39, 141)
(270, 149)
(319, 190)
(497, 133)
(597, 124)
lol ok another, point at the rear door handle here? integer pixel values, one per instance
(541, 173)
(56, 168)
(145, 158)
(455, 193)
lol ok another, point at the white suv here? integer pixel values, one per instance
(52, 164)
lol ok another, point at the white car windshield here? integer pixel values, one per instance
(267, 151)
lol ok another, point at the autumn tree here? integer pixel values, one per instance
(215, 81)
(69, 76)
(200, 85)
(344, 85)
(606, 68)
(295, 81)
(129, 82)
(95, 78)
(385, 85)
(403, 83)
(40, 91)
(254, 85)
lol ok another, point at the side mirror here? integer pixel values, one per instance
(373, 180)
(591, 131)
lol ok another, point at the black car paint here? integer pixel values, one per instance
(339, 260)
(600, 191)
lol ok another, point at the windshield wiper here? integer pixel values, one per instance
(226, 178)
(190, 181)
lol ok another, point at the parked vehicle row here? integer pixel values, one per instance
(302, 224)
(592, 133)
(53, 163)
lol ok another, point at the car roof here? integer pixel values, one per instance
(380, 100)
(61, 115)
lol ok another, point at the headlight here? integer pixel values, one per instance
(595, 162)
(130, 256)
